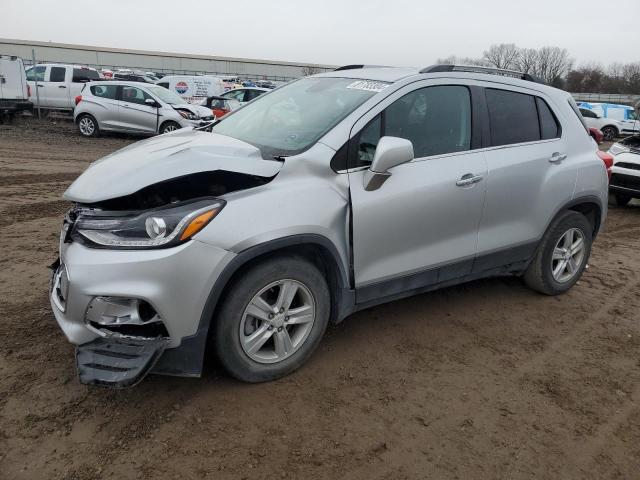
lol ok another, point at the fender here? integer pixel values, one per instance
(580, 200)
(187, 359)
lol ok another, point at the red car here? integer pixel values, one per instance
(221, 105)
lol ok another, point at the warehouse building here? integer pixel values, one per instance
(164, 62)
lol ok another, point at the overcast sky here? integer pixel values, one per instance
(336, 32)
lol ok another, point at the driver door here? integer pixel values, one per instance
(421, 226)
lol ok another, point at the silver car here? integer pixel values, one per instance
(133, 107)
(327, 196)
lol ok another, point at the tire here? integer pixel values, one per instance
(540, 273)
(621, 199)
(169, 126)
(88, 126)
(609, 133)
(235, 326)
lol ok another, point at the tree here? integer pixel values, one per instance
(309, 70)
(454, 60)
(504, 55)
(553, 65)
(528, 60)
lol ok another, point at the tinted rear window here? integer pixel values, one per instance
(83, 75)
(513, 117)
(57, 74)
(549, 126)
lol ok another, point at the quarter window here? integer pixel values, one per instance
(549, 127)
(588, 113)
(437, 120)
(57, 74)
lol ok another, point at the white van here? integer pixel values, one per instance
(57, 84)
(193, 88)
(14, 91)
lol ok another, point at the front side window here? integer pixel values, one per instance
(104, 91)
(291, 119)
(437, 121)
(57, 74)
(36, 74)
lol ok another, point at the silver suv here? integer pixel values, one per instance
(326, 196)
(133, 107)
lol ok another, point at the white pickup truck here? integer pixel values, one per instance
(58, 85)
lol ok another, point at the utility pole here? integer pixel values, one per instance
(33, 62)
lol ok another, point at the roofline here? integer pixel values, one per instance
(151, 53)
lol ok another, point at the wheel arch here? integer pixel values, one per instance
(590, 206)
(188, 358)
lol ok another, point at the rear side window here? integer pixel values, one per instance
(83, 75)
(164, 84)
(36, 74)
(549, 127)
(57, 74)
(588, 113)
(513, 117)
(104, 91)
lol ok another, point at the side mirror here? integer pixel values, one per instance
(390, 152)
(152, 103)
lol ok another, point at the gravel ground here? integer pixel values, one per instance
(484, 380)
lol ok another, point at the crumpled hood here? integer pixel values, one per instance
(198, 110)
(168, 156)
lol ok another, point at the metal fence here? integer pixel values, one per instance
(617, 98)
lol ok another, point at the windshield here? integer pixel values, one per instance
(166, 96)
(289, 120)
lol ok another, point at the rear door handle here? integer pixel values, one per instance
(62, 86)
(468, 179)
(557, 157)
(38, 85)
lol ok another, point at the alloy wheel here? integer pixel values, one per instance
(277, 321)
(568, 255)
(86, 126)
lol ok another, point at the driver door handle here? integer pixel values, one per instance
(62, 86)
(468, 179)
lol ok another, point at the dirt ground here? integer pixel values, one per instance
(485, 380)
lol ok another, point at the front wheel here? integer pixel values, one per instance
(562, 255)
(272, 319)
(168, 127)
(609, 133)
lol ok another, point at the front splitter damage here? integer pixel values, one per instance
(117, 362)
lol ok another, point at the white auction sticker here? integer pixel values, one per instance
(368, 85)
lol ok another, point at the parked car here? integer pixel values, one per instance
(14, 91)
(134, 77)
(330, 195)
(106, 74)
(628, 118)
(610, 128)
(193, 88)
(134, 108)
(221, 105)
(625, 173)
(244, 95)
(58, 84)
(265, 84)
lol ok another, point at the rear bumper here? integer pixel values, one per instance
(14, 106)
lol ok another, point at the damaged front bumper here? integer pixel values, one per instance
(173, 284)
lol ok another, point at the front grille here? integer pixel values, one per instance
(625, 181)
(631, 166)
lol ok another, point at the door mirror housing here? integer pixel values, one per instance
(390, 152)
(152, 103)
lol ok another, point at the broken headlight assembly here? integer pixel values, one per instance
(158, 228)
(187, 114)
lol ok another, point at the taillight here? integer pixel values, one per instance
(607, 158)
(78, 99)
(597, 135)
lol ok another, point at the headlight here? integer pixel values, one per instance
(187, 114)
(157, 228)
(617, 149)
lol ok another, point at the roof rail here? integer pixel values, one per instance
(357, 67)
(479, 69)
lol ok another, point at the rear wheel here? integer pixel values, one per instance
(272, 319)
(87, 125)
(622, 200)
(609, 133)
(562, 255)
(169, 127)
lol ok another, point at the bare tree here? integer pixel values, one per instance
(455, 60)
(504, 55)
(309, 70)
(527, 60)
(553, 65)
